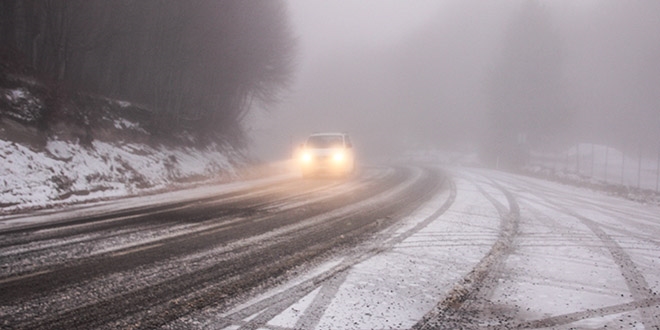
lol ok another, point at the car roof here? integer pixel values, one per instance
(323, 134)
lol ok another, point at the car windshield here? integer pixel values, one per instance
(324, 141)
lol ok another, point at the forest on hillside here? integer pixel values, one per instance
(197, 65)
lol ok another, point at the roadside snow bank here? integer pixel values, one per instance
(65, 173)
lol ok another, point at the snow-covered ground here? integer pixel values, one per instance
(68, 173)
(43, 169)
(524, 252)
(574, 259)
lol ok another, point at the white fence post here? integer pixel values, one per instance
(639, 168)
(623, 164)
(577, 159)
(607, 151)
(657, 172)
(593, 161)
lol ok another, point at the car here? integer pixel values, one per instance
(327, 154)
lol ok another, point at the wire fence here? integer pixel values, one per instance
(634, 167)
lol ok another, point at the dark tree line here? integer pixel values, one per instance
(198, 63)
(528, 105)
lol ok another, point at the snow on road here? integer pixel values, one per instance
(582, 259)
(573, 258)
(180, 195)
(396, 288)
(577, 259)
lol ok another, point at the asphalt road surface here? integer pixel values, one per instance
(146, 266)
(411, 247)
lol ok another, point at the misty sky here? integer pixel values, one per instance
(426, 73)
(325, 29)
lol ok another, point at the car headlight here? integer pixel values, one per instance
(338, 156)
(306, 157)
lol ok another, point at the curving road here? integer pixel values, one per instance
(145, 267)
(391, 248)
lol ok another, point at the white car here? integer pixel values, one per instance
(327, 154)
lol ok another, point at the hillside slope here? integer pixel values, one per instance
(96, 148)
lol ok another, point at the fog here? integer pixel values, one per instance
(485, 76)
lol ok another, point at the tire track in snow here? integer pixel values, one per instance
(258, 314)
(85, 216)
(102, 288)
(591, 313)
(454, 311)
(162, 302)
(48, 248)
(644, 299)
(643, 220)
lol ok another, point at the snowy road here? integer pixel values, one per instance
(392, 248)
